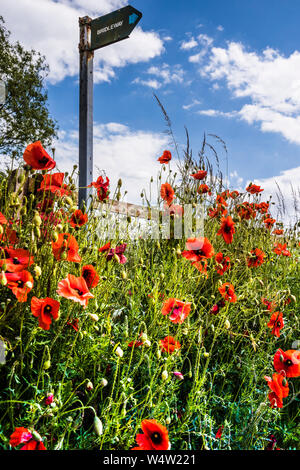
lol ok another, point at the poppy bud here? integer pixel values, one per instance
(98, 426)
(119, 352)
(23, 210)
(93, 316)
(37, 220)
(47, 365)
(120, 183)
(116, 257)
(281, 358)
(124, 275)
(59, 228)
(227, 324)
(89, 385)
(1, 230)
(284, 382)
(68, 200)
(206, 354)
(103, 382)
(36, 436)
(129, 219)
(168, 420)
(3, 278)
(164, 375)
(55, 237)
(162, 276)
(37, 231)
(29, 285)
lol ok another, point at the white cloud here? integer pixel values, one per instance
(217, 113)
(162, 75)
(121, 152)
(205, 42)
(51, 27)
(288, 183)
(195, 102)
(220, 28)
(270, 81)
(185, 45)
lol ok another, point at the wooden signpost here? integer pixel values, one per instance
(95, 34)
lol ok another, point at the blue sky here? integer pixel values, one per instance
(227, 68)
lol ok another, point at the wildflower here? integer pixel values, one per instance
(178, 375)
(167, 193)
(270, 305)
(31, 439)
(89, 274)
(169, 344)
(76, 289)
(262, 207)
(3, 220)
(78, 219)
(119, 250)
(20, 284)
(227, 292)
(280, 249)
(256, 259)
(49, 399)
(269, 222)
(37, 157)
(219, 432)
(216, 308)
(16, 260)
(204, 189)
(54, 184)
(201, 266)
(227, 229)
(46, 310)
(197, 249)
(200, 175)
(246, 210)
(164, 375)
(234, 194)
(102, 188)
(277, 232)
(279, 389)
(276, 323)
(104, 248)
(166, 157)
(66, 247)
(74, 324)
(223, 263)
(154, 437)
(227, 324)
(287, 362)
(89, 385)
(177, 310)
(253, 189)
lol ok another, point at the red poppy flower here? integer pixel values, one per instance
(9, 236)
(34, 445)
(269, 222)
(105, 247)
(177, 310)
(20, 284)
(117, 253)
(262, 207)
(227, 229)
(254, 189)
(279, 389)
(200, 175)
(276, 323)
(201, 266)
(277, 232)
(135, 343)
(223, 262)
(16, 260)
(270, 305)
(46, 310)
(246, 210)
(216, 308)
(198, 248)
(19, 436)
(78, 219)
(169, 344)
(54, 184)
(37, 157)
(256, 259)
(3, 220)
(173, 209)
(219, 432)
(204, 189)
(74, 288)
(234, 194)
(74, 324)
(227, 292)
(155, 436)
(280, 249)
(66, 248)
(214, 212)
(102, 187)
(287, 362)
(90, 275)
(166, 157)
(167, 193)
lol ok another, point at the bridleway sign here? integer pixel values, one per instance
(95, 34)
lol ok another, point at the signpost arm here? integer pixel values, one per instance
(85, 112)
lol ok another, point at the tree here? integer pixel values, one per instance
(24, 117)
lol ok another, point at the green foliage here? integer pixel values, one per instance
(24, 117)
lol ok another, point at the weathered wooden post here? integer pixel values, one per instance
(85, 110)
